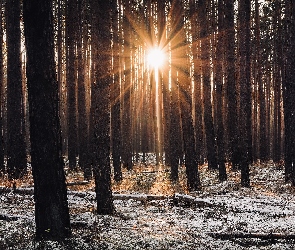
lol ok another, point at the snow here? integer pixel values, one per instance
(143, 223)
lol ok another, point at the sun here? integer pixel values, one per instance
(155, 58)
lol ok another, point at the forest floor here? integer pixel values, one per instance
(265, 209)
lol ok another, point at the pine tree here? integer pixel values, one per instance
(101, 44)
(16, 149)
(50, 194)
(245, 142)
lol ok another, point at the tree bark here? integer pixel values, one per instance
(230, 82)
(289, 93)
(82, 111)
(2, 167)
(101, 44)
(198, 97)
(126, 104)
(116, 98)
(245, 142)
(50, 195)
(206, 71)
(71, 40)
(185, 85)
(277, 138)
(219, 94)
(16, 151)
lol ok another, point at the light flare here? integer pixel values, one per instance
(156, 58)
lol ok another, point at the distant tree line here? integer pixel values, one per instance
(76, 89)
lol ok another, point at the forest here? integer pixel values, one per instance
(147, 124)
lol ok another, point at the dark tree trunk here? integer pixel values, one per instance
(2, 167)
(220, 93)
(230, 82)
(82, 112)
(191, 162)
(175, 138)
(289, 93)
(116, 98)
(165, 86)
(277, 139)
(16, 151)
(206, 71)
(245, 143)
(185, 85)
(257, 72)
(50, 195)
(198, 99)
(126, 105)
(61, 74)
(71, 25)
(101, 44)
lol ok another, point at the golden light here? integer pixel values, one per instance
(156, 58)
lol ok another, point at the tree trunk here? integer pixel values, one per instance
(16, 151)
(289, 93)
(101, 106)
(71, 40)
(198, 98)
(220, 93)
(245, 143)
(175, 138)
(60, 73)
(185, 84)
(116, 98)
(50, 195)
(277, 82)
(206, 71)
(2, 167)
(126, 105)
(82, 112)
(230, 82)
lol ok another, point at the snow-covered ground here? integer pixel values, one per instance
(268, 207)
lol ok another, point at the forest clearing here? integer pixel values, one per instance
(266, 208)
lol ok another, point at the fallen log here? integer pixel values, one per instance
(8, 218)
(262, 236)
(191, 200)
(91, 194)
(139, 197)
(24, 191)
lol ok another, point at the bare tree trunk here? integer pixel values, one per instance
(16, 151)
(126, 105)
(289, 93)
(220, 93)
(50, 194)
(206, 72)
(175, 119)
(2, 167)
(71, 24)
(277, 138)
(258, 84)
(198, 98)
(245, 143)
(230, 82)
(185, 85)
(101, 42)
(116, 98)
(82, 112)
